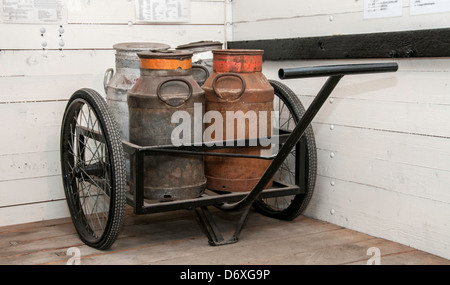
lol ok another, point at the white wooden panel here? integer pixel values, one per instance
(33, 212)
(416, 150)
(334, 24)
(424, 182)
(244, 10)
(30, 165)
(30, 127)
(66, 62)
(30, 139)
(393, 116)
(98, 36)
(29, 191)
(410, 220)
(121, 12)
(15, 89)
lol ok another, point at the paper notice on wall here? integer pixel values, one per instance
(163, 11)
(419, 7)
(33, 11)
(382, 8)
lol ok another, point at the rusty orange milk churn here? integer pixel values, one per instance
(166, 87)
(237, 88)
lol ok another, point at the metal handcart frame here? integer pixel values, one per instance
(240, 202)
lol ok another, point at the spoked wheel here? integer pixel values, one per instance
(93, 169)
(300, 166)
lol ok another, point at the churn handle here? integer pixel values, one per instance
(108, 75)
(158, 91)
(229, 74)
(203, 68)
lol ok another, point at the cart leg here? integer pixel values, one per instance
(215, 237)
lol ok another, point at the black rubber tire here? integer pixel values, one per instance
(93, 169)
(293, 205)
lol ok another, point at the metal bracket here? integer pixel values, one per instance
(215, 237)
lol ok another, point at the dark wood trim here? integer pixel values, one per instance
(405, 44)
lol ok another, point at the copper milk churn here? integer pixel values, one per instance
(237, 88)
(166, 90)
(202, 60)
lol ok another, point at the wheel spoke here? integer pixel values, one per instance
(87, 168)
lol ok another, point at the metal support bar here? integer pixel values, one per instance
(138, 182)
(215, 237)
(204, 148)
(278, 190)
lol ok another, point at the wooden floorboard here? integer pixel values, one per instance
(175, 238)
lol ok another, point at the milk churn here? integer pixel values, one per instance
(166, 90)
(126, 73)
(238, 89)
(202, 60)
(118, 83)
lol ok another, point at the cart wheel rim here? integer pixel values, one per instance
(299, 168)
(90, 168)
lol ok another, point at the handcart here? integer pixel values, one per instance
(97, 188)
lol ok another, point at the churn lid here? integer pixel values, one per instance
(238, 60)
(201, 46)
(139, 46)
(235, 52)
(166, 59)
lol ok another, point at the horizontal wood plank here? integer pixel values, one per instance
(406, 44)
(417, 181)
(391, 116)
(32, 190)
(331, 24)
(30, 165)
(33, 212)
(19, 63)
(290, 9)
(39, 88)
(122, 12)
(404, 148)
(38, 122)
(98, 36)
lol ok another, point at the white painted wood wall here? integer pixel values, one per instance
(383, 140)
(389, 132)
(35, 85)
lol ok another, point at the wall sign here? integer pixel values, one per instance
(162, 11)
(382, 8)
(34, 11)
(419, 7)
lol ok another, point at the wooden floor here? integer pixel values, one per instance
(176, 238)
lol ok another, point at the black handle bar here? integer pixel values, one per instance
(332, 70)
